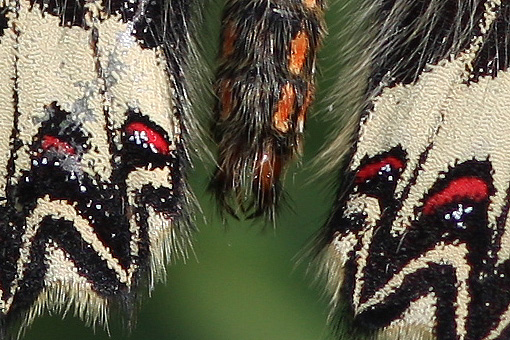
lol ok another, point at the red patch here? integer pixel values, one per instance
(370, 171)
(472, 188)
(142, 134)
(55, 143)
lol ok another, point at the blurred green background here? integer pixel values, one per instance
(243, 283)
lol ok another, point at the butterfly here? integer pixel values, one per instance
(99, 129)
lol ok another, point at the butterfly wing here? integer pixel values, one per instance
(94, 197)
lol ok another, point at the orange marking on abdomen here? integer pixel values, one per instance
(298, 52)
(310, 3)
(267, 173)
(229, 39)
(226, 99)
(285, 108)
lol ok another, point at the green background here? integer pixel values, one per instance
(243, 283)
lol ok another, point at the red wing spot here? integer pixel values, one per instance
(52, 142)
(298, 52)
(370, 171)
(472, 188)
(146, 137)
(285, 109)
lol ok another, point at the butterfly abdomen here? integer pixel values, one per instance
(265, 86)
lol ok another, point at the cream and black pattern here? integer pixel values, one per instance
(92, 193)
(419, 244)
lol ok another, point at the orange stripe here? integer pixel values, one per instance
(298, 52)
(229, 39)
(285, 108)
(310, 3)
(226, 99)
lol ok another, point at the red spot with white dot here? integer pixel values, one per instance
(370, 171)
(57, 144)
(141, 134)
(471, 188)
